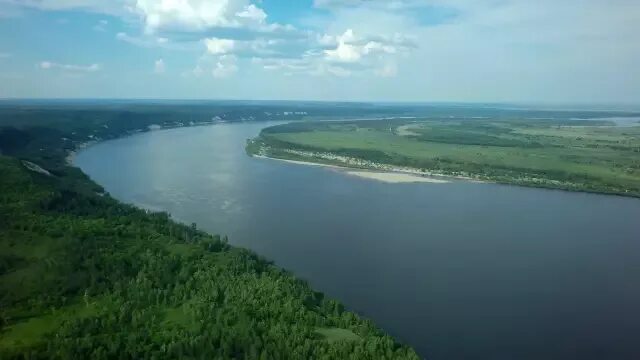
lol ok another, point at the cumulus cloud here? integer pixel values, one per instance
(217, 66)
(342, 55)
(217, 46)
(159, 67)
(48, 65)
(237, 29)
(507, 44)
(253, 13)
(198, 15)
(351, 49)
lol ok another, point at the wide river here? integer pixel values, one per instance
(460, 270)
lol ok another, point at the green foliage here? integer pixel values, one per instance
(337, 334)
(84, 276)
(581, 155)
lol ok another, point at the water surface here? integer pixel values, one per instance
(459, 270)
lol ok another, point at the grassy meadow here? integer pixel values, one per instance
(585, 155)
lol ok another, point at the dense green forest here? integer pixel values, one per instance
(85, 276)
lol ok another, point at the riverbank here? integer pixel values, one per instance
(378, 236)
(90, 267)
(570, 155)
(391, 175)
(394, 177)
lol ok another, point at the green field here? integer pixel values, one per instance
(582, 155)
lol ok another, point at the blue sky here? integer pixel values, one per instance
(395, 50)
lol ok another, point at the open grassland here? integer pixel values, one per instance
(585, 155)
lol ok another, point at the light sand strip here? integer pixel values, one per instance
(395, 177)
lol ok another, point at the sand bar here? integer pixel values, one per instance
(395, 177)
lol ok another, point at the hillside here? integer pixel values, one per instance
(84, 276)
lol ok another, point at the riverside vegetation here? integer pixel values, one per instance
(581, 155)
(85, 276)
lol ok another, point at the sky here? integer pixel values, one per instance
(543, 51)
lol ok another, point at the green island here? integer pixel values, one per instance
(579, 155)
(85, 276)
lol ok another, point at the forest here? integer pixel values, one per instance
(85, 276)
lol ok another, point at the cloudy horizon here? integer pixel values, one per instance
(575, 51)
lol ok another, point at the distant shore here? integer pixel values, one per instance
(392, 176)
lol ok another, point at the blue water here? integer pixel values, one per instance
(459, 270)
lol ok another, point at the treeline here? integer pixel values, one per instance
(496, 172)
(85, 276)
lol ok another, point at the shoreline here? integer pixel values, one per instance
(363, 171)
(392, 175)
(83, 145)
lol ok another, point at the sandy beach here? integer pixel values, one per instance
(395, 177)
(392, 176)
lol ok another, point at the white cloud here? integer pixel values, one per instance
(198, 15)
(159, 67)
(345, 52)
(48, 65)
(352, 49)
(4, 55)
(233, 27)
(218, 66)
(353, 54)
(494, 49)
(225, 67)
(253, 13)
(217, 46)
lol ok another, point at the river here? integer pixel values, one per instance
(458, 270)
